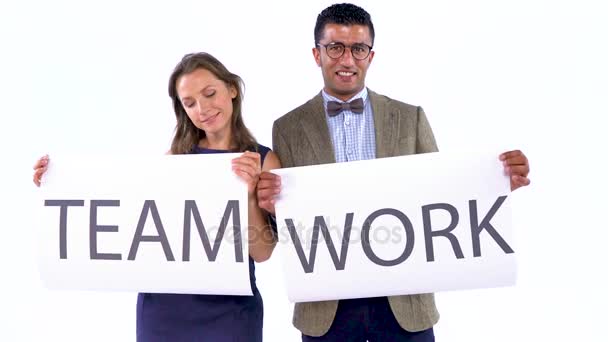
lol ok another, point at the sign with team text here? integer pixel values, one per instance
(166, 224)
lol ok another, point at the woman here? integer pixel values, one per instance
(207, 102)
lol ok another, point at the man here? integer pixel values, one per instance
(348, 122)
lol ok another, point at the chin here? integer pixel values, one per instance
(215, 129)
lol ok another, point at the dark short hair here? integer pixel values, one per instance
(343, 14)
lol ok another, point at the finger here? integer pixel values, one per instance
(509, 154)
(254, 170)
(249, 154)
(267, 194)
(270, 178)
(40, 171)
(43, 161)
(38, 175)
(267, 205)
(247, 164)
(522, 180)
(517, 160)
(520, 170)
(264, 184)
(249, 158)
(519, 181)
(244, 176)
(253, 173)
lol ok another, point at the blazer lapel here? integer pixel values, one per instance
(386, 125)
(317, 131)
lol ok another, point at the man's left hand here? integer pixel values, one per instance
(517, 167)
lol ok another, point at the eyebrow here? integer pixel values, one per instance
(343, 43)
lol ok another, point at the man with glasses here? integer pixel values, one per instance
(348, 122)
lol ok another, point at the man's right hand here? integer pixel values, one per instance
(269, 186)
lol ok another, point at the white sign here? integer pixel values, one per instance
(166, 224)
(393, 226)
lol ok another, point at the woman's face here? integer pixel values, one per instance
(207, 100)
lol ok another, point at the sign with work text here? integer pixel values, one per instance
(166, 224)
(403, 225)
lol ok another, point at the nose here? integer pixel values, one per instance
(201, 107)
(347, 57)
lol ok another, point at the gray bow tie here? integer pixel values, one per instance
(334, 108)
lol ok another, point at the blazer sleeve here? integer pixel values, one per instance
(425, 140)
(280, 147)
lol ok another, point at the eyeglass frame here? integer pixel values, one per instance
(344, 49)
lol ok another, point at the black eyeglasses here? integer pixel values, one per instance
(336, 50)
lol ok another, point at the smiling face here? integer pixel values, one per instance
(207, 101)
(344, 77)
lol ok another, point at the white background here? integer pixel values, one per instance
(88, 76)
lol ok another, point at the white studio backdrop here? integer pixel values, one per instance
(91, 76)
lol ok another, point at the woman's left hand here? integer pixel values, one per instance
(248, 167)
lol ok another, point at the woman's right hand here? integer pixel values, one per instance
(40, 169)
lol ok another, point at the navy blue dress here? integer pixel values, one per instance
(190, 317)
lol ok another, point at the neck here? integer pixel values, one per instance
(342, 97)
(217, 141)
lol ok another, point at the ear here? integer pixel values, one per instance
(316, 52)
(371, 56)
(233, 92)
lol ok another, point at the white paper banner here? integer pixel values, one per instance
(166, 224)
(403, 225)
